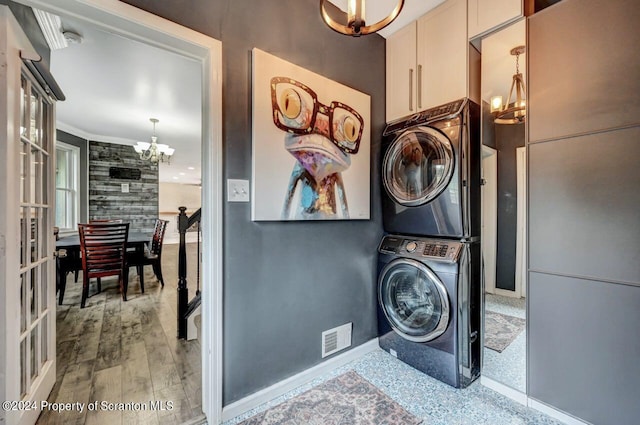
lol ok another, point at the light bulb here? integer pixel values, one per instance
(496, 103)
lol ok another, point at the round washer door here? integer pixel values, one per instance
(418, 166)
(414, 300)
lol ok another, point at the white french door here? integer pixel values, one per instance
(26, 263)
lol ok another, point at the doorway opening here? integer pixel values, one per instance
(504, 309)
(132, 23)
(504, 367)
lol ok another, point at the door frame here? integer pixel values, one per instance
(489, 194)
(133, 23)
(521, 222)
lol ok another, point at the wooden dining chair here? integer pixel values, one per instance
(66, 262)
(76, 263)
(103, 247)
(60, 255)
(151, 256)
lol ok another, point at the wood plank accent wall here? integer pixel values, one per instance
(106, 200)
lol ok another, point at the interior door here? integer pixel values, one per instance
(27, 272)
(37, 270)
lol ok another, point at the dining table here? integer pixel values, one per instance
(136, 243)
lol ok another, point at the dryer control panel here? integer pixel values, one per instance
(435, 249)
(422, 118)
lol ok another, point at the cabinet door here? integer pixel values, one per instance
(485, 15)
(442, 54)
(401, 73)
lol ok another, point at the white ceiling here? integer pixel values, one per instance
(376, 10)
(114, 85)
(498, 65)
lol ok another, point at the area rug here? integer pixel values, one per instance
(500, 330)
(348, 399)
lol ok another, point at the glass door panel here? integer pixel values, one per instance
(37, 306)
(414, 300)
(418, 166)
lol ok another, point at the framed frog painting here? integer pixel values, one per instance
(311, 145)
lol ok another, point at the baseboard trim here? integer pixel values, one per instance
(506, 293)
(522, 398)
(198, 420)
(505, 390)
(276, 390)
(555, 413)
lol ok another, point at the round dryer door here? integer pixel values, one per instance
(414, 300)
(418, 166)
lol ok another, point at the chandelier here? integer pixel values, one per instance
(153, 151)
(355, 24)
(512, 113)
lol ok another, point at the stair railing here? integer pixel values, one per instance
(185, 307)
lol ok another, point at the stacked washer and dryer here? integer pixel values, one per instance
(429, 274)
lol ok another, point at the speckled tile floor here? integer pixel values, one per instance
(427, 398)
(510, 366)
(515, 307)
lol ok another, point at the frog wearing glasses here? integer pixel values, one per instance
(322, 139)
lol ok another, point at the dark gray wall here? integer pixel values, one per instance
(488, 126)
(106, 200)
(70, 139)
(584, 198)
(27, 20)
(287, 282)
(509, 137)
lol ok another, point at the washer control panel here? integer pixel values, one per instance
(436, 249)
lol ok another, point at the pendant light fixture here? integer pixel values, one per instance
(512, 113)
(355, 24)
(153, 151)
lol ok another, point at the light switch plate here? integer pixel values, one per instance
(237, 190)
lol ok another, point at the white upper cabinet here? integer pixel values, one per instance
(486, 15)
(401, 72)
(427, 61)
(443, 49)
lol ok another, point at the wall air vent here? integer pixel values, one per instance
(336, 339)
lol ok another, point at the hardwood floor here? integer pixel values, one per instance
(127, 352)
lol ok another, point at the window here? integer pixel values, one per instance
(67, 186)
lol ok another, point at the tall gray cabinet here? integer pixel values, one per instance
(584, 209)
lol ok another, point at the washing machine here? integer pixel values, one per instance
(431, 172)
(428, 308)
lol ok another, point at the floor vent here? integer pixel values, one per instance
(336, 339)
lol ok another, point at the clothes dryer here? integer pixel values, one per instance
(428, 309)
(431, 172)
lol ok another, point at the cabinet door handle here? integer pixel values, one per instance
(411, 89)
(419, 86)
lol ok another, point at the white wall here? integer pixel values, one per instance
(175, 195)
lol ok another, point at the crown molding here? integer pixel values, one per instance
(94, 137)
(51, 26)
